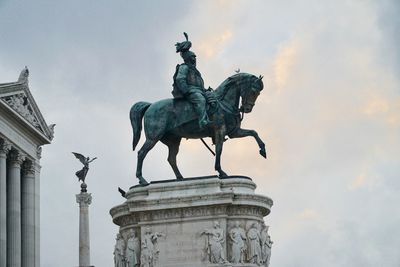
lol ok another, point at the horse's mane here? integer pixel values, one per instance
(233, 81)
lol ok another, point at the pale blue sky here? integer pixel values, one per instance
(329, 114)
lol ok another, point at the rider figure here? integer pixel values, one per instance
(188, 83)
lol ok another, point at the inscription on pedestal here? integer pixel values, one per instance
(183, 245)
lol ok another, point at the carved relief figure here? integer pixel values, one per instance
(238, 237)
(254, 244)
(20, 104)
(266, 245)
(146, 257)
(119, 252)
(150, 251)
(136, 248)
(215, 240)
(132, 250)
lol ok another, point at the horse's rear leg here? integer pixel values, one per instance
(147, 146)
(173, 148)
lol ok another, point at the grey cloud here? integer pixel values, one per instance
(90, 61)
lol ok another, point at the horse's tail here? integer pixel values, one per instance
(136, 116)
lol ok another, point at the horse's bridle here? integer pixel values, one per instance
(244, 97)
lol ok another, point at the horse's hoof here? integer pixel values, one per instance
(263, 153)
(142, 181)
(222, 174)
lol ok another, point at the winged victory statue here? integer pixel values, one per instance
(81, 174)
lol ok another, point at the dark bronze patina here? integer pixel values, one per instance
(195, 113)
(81, 174)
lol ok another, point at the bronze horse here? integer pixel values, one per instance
(170, 120)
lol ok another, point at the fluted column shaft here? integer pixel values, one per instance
(84, 199)
(4, 148)
(28, 214)
(37, 208)
(14, 210)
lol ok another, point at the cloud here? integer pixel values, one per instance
(387, 110)
(308, 214)
(364, 180)
(209, 46)
(283, 63)
(329, 114)
(376, 106)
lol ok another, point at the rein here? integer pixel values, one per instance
(231, 109)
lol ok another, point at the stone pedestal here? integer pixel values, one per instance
(196, 222)
(84, 199)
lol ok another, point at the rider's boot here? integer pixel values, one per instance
(204, 121)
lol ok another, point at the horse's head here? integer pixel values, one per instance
(250, 92)
(244, 86)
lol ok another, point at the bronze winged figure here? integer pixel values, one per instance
(81, 174)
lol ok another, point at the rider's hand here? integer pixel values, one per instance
(210, 97)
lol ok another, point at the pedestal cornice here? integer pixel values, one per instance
(191, 199)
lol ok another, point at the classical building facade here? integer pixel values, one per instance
(23, 132)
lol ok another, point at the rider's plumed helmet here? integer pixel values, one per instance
(183, 48)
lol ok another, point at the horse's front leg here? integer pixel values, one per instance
(243, 133)
(219, 141)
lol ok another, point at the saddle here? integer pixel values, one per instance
(182, 106)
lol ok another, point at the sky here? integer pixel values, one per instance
(329, 114)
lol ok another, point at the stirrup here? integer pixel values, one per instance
(204, 123)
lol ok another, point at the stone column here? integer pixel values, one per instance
(28, 214)
(37, 206)
(14, 209)
(84, 199)
(4, 148)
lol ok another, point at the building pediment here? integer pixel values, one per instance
(18, 98)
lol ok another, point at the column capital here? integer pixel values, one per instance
(29, 168)
(5, 146)
(16, 157)
(84, 199)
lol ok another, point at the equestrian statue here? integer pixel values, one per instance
(195, 112)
